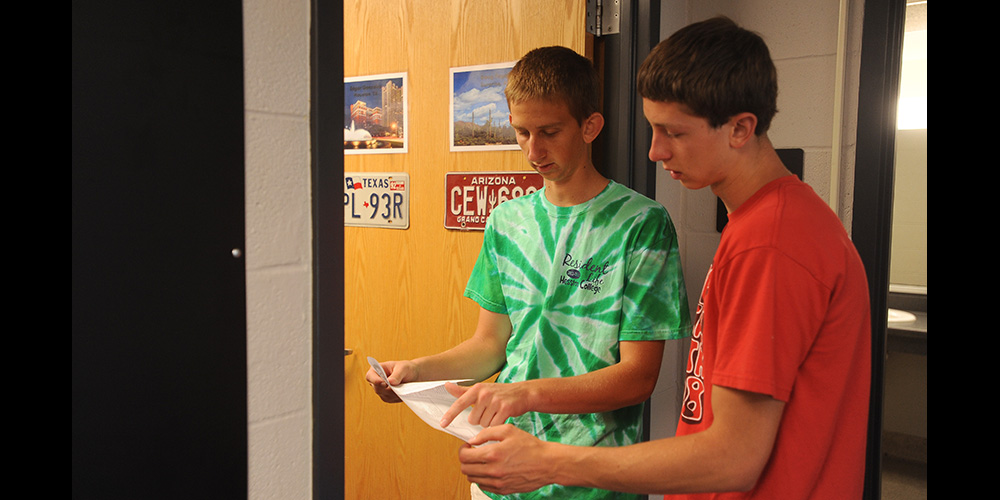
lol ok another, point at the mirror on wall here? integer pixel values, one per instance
(908, 258)
(904, 398)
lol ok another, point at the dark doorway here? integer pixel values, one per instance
(159, 310)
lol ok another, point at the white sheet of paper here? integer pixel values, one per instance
(429, 401)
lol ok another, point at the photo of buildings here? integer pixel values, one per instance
(375, 114)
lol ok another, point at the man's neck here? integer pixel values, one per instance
(584, 186)
(755, 168)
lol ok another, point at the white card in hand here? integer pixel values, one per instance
(429, 401)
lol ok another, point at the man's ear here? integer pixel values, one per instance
(744, 126)
(592, 126)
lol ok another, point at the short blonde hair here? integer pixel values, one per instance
(556, 74)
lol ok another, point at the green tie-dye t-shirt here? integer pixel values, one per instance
(575, 281)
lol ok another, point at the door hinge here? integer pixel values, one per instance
(603, 17)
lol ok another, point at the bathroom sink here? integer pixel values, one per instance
(897, 316)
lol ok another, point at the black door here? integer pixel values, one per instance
(159, 322)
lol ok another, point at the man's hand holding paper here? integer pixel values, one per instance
(491, 404)
(428, 400)
(383, 376)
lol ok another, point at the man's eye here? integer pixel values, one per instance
(665, 133)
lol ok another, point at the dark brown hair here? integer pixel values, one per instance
(716, 69)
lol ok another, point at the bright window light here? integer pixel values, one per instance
(912, 110)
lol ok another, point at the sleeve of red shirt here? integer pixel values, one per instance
(771, 311)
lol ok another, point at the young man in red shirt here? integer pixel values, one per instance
(777, 388)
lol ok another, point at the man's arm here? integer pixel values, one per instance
(728, 456)
(477, 358)
(628, 382)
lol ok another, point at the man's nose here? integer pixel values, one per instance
(658, 150)
(536, 149)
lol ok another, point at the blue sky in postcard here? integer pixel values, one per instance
(479, 92)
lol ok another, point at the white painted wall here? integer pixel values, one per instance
(278, 248)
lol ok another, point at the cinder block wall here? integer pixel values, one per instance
(278, 248)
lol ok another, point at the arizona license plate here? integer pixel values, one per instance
(470, 197)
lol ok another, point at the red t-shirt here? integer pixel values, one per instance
(784, 311)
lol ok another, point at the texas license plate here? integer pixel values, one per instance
(377, 200)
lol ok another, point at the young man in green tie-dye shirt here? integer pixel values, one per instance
(578, 284)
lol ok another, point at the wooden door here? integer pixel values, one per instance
(403, 288)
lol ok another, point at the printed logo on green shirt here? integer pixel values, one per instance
(585, 275)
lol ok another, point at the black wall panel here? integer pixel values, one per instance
(159, 309)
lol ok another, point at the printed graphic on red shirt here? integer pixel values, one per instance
(693, 409)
